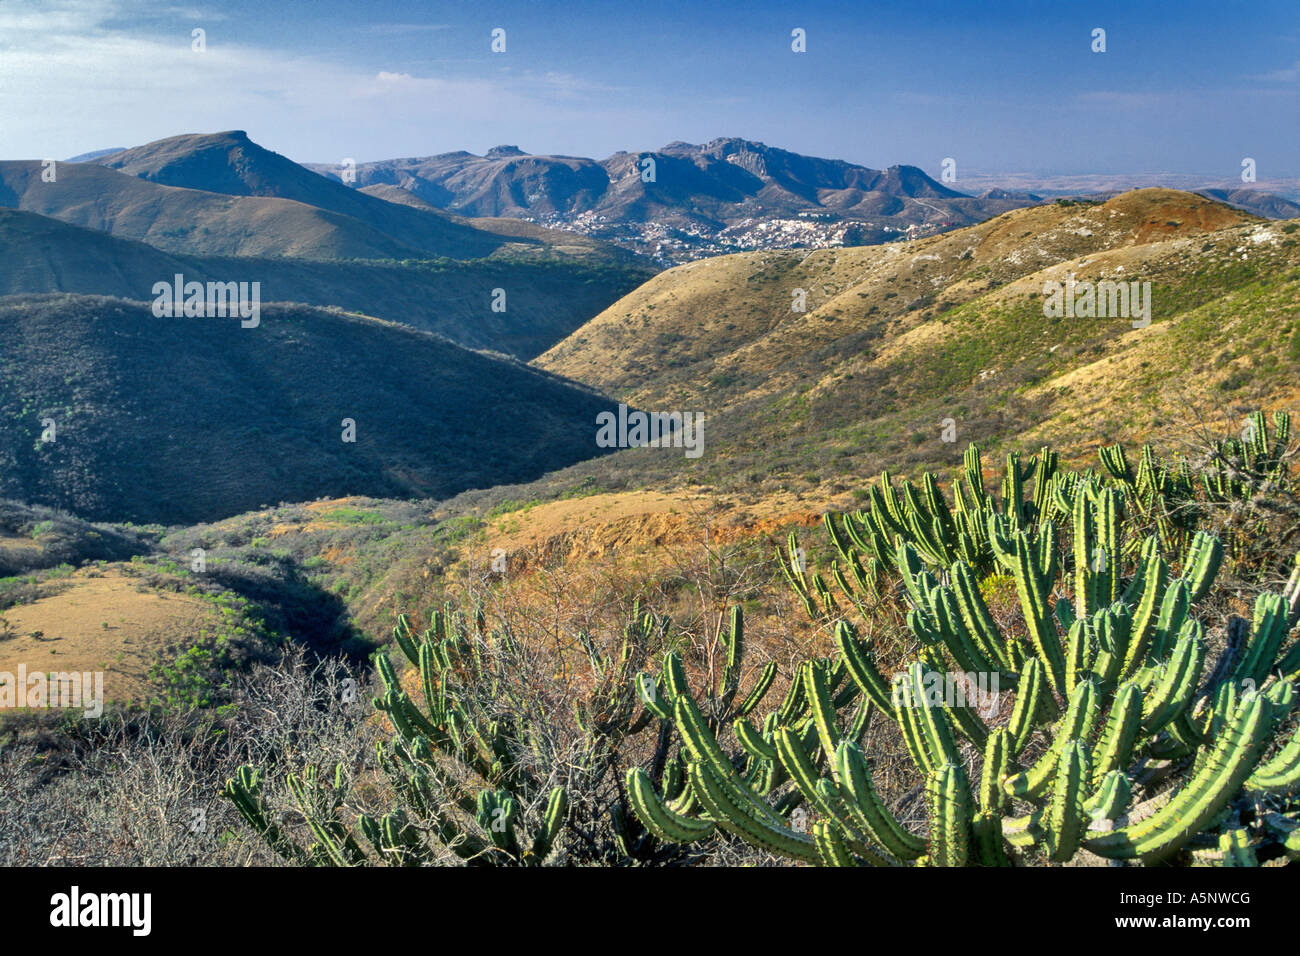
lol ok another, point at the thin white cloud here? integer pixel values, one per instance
(80, 76)
(203, 14)
(1286, 75)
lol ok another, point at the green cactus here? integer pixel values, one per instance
(1245, 466)
(1110, 686)
(462, 770)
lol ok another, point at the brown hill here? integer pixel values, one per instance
(191, 220)
(229, 163)
(672, 338)
(899, 338)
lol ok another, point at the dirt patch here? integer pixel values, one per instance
(641, 522)
(101, 623)
(18, 543)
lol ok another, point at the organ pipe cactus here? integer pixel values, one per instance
(1242, 467)
(461, 775)
(1113, 691)
(464, 760)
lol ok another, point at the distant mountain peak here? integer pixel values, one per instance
(95, 154)
(721, 147)
(228, 163)
(725, 194)
(734, 143)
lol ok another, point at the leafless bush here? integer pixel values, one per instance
(145, 791)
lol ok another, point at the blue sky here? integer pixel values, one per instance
(1188, 87)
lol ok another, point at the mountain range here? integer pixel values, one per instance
(222, 194)
(362, 273)
(185, 419)
(686, 201)
(813, 364)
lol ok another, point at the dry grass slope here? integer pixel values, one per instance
(897, 338)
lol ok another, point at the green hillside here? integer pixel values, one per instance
(180, 420)
(546, 297)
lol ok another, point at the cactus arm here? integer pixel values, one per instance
(913, 738)
(1024, 832)
(986, 829)
(1029, 704)
(1116, 462)
(752, 741)
(1202, 564)
(1235, 848)
(974, 470)
(949, 802)
(1133, 593)
(1173, 692)
(1110, 544)
(704, 749)
(1063, 611)
(244, 790)
(966, 650)
(858, 661)
(1202, 799)
(1112, 796)
(1033, 587)
(1087, 596)
(1077, 724)
(794, 576)
(557, 808)
(868, 809)
(1115, 747)
(1144, 621)
(402, 635)
(735, 644)
(1173, 614)
(979, 622)
(740, 819)
(1267, 633)
(1065, 814)
(997, 765)
(1114, 626)
(823, 712)
(338, 845)
(830, 845)
(657, 817)
(933, 724)
(794, 758)
(1081, 651)
(1281, 773)
(759, 691)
